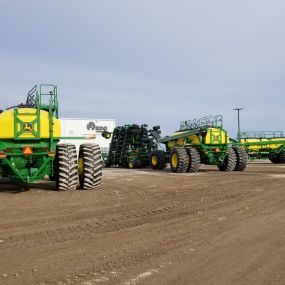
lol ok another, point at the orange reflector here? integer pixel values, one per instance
(27, 150)
(51, 153)
(217, 150)
(2, 154)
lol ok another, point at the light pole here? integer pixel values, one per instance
(238, 110)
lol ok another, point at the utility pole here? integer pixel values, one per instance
(238, 110)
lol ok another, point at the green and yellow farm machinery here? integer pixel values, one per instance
(131, 145)
(264, 145)
(30, 146)
(199, 141)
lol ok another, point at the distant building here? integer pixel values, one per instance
(79, 127)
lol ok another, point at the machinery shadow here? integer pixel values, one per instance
(17, 188)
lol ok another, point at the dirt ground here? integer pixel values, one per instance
(146, 227)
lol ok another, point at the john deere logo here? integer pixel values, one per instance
(92, 127)
(27, 127)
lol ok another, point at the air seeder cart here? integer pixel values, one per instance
(30, 149)
(199, 141)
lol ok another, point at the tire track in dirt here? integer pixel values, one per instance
(128, 228)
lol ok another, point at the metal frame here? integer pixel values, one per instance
(215, 121)
(261, 135)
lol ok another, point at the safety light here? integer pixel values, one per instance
(217, 150)
(51, 153)
(27, 150)
(2, 154)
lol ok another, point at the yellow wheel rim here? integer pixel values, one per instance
(154, 160)
(131, 164)
(81, 166)
(174, 160)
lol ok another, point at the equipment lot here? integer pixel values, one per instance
(148, 227)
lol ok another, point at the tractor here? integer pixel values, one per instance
(30, 148)
(199, 141)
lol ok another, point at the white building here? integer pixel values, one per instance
(74, 128)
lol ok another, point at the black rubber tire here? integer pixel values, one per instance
(161, 160)
(131, 164)
(282, 156)
(137, 164)
(275, 159)
(183, 160)
(92, 163)
(52, 178)
(194, 159)
(241, 159)
(123, 165)
(230, 161)
(66, 170)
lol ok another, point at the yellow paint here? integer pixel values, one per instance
(174, 160)
(154, 160)
(216, 136)
(131, 164)
(7, 124)
(194, 139)
(260, 147)
(171, 144)
(180, 142)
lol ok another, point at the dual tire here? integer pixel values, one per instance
(241, 155)
(157, 160)
(235, 160)
(135, 164)
(181, 159)
(278, 158)
(184, 160)
(187, 159)
(230, 161)
(86, 171)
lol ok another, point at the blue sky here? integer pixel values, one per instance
(150, 61)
